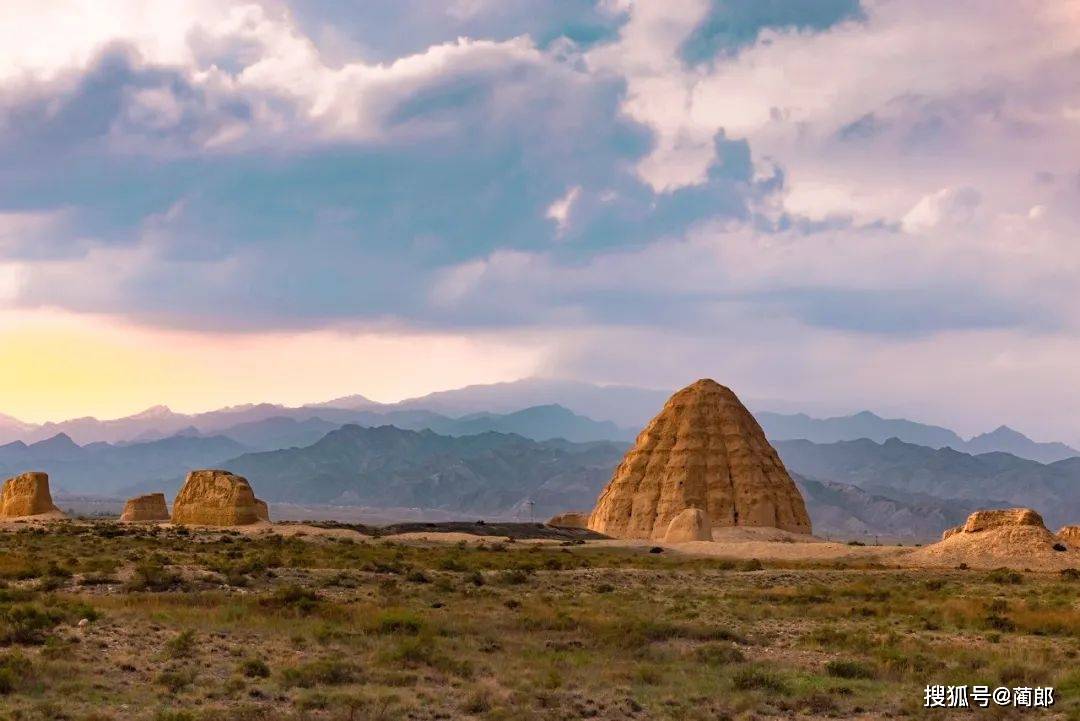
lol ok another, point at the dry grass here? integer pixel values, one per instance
(208, 625)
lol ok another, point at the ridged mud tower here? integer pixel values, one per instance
(27, 495)
(150, 507)
(704, 450)
(215, 498)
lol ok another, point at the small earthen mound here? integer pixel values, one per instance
(570, 519)
(262, 510)
(690, 525)
(1013, 537)
(150, 507)
(1070, 534)
(984, 520)
(949, 532)
(27, 495)
(215, 498)
(703, 450)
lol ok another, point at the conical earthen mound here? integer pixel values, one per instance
(704, 450)
(27, 495)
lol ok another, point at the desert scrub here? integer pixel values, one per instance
(842, 668)
(16, 671)
(293, 599)
(153, 575)
(321, 672)
(255, 668)
(182, 645)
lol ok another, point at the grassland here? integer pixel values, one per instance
(99, 621)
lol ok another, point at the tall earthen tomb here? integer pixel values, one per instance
(26, 494)
(704, 450)
(215, 498)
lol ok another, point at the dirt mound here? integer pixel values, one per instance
(215, 498)
(1002, 518)
(262, 510)
(1014, 537)
(690, 525)
(704, 450)
(570, 519)
(1069, 534)
(27, 495)
(150, 507)
(948, 532)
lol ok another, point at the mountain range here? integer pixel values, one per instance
(781, 427)
(488, 473)
(103, 469)
(911, 474)
(852, 488)
(536, 408)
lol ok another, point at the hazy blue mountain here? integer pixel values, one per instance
(884, 468)
(488, 473)
(1009, 441)
(355, 402)
(12, 429)
(626, 406)
(779, 427)
(279, 432)
(103, 469)
(540, 423)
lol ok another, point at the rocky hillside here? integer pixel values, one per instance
(489, 473)
(905, 472)
(846, 511)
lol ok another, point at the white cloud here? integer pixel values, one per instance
(948, 206)
(559, 211)
(870, 115)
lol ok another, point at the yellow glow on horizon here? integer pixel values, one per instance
(55, 366)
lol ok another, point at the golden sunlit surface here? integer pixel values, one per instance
(55, 366)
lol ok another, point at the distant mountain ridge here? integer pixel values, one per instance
(841, 509)
(489, 473)
(782, 427)
(102, 469)
(595, 412)
(909, 472)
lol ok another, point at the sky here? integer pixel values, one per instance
(859, 204)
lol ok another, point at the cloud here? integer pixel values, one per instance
(948, 206)
(595, 173)
(559, 211)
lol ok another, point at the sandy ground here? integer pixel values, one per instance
(763, 544)
(35, 520)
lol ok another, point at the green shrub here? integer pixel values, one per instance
(15, 669)
(850, 669)
(182, 645)
(27, 623)
(1004, 576)
(293, 598)
(323, 672)
(255, 668)
(755, 678)
(176, 679)
(719, 654)
(152, 575)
